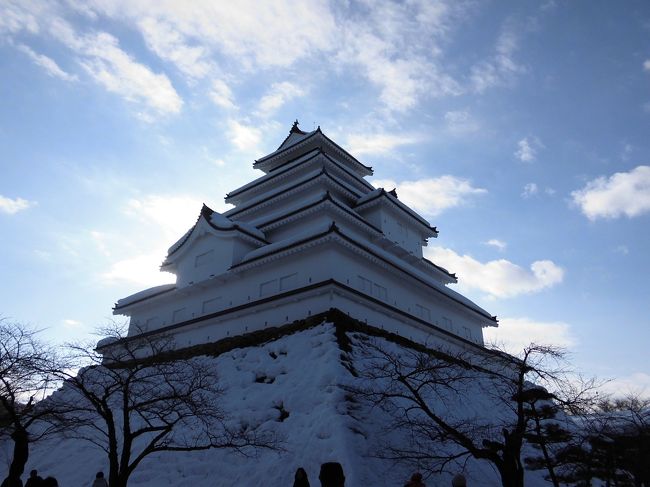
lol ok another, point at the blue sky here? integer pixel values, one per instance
(520, 129)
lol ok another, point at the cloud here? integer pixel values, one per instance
(432, 196)
(497, 278)
(514, 334)
(498, 244)
(646, 65)
(221, 95)
(623, 193)
(622, 249)
(530, 189)
(141, 269)
(501, 68)
(244, 137)
(171, 215)
(278, 34)
(118, 72)
(396, 46)
(460, 122)
(637, 383)
(13, 206)
(48, 64)
(278, 95)
(169, 44)
(527, 149)
(378, 143)
(72, 324)
(18, 16)
(162, 219)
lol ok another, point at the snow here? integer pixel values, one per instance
(225, 223)
(291, 140)
(267, 177)
(287, 242)
(180, 241)
(147, 293)
(303, 374)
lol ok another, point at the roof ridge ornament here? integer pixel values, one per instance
(295, 129)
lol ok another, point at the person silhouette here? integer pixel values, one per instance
(100, 481)
(300, 479)
(459, 481)
(331, 475)
(34, 479)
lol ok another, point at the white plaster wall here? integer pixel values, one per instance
(327, 261)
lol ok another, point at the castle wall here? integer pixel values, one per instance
(300, 270)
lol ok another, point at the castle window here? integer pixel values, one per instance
(269, 287)
(152, 323)
(365, 284)
(288, 282)
(203, 258)
(179, 315)
(380, 292)
(423, 312)
(211, 305)
(446, 323)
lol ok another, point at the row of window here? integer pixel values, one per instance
(290, 281)
(380, 292)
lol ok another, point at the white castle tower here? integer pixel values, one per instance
(311, 235)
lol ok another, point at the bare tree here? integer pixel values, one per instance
(480, 404)
(141, 398)
(26, 376)
(618, 437)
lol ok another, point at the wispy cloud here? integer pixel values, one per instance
(378, 143)
(395, 46)
(497, 278)
(245, 137)
(72, 324)
(118, 72)
(514, 334)
(433, 196)
(527, 149)
(530, 189)
(496, 243)
(278, 95)
(48, 64)
(278, 34)
(12, 206)
(460, 122)
(221, 95)
(646, 65)
(501, 68)
(622, 249)
(623, 193)
(171, 45)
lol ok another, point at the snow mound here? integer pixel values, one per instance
(295, 386)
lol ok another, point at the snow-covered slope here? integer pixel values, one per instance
(301, 374)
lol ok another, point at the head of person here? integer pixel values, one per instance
(416, 477)
(459, 481)
(100, 475)
(331, 475)
(301, 474)
(33, 473)
(50, 482)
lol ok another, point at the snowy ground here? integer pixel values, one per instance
(301, 374)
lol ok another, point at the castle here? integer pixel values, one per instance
(309, 236)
